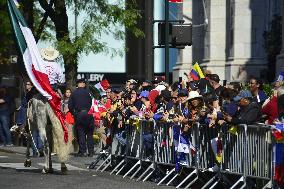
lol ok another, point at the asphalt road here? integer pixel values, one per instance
(14, 175)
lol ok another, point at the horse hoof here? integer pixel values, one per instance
(46, 171)
(64, 170)
(28, 163)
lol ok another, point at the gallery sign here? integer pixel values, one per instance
(114, 78)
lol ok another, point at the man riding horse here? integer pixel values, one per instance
(39, 112)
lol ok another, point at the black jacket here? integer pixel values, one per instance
(80, 100)
(248, 115)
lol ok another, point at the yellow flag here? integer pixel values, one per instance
(233, 130)
(198, 70)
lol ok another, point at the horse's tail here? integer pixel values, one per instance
(60, 147)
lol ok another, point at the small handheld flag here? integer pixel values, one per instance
(197, 69)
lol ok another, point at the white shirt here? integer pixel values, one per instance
(54, 72)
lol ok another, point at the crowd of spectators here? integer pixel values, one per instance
(205, 101)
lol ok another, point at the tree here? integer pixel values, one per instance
(6, 36)
(101, 17)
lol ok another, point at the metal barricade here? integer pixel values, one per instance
(250, 153)
(151, 147)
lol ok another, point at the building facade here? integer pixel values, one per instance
(228, 37)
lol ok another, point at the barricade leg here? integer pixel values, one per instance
(165, 177)
(186, 178)
(138, 163)
(215, 183)
(240, 180)
(105, 161)
(172, 180)
(120, 169)
(107, 165)
(192, 182)
(148, 175)
(209, 182)
(136, 172)
(268, 185)
(116, 167)
(145, 172)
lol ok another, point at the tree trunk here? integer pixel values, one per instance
(71, 67)
(28, 11)
(62, 33)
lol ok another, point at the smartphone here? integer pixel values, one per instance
(224, 83)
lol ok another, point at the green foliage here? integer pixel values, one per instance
(6, 36)
(46, 34)
(267, 89)
(100, 18)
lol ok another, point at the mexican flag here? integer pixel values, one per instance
(33, 62)
(99, 89)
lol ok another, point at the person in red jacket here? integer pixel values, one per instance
(270, 108)
(98, 108)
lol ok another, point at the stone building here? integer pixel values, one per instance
(228, 37)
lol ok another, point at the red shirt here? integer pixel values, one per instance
(271, 110)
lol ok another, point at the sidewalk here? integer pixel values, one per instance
(81, 162)
(13, 149)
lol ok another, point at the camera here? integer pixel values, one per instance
(172, 116)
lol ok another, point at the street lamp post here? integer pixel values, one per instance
(167, 74)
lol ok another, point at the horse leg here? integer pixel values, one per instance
(28, 161)
(47, 154)
(41, 122)
(63, 168)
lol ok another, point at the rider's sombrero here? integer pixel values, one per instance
(49, 53)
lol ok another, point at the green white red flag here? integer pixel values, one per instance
(33, 62)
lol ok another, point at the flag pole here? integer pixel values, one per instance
(167, 41)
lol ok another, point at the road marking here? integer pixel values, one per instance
(57, 166)
(3, 156)
(18, 166)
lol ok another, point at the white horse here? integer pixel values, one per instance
(39, 112)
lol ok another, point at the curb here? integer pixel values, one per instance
(7, 150)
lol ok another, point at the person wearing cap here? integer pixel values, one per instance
(146, 105)
(129, 84)
(79, 105)
(194, 107)
(53, 70)
(279, 81)
(214, 82)
(249, 111)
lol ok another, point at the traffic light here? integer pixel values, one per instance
(179, 34)
(182, 35)
(162, 33)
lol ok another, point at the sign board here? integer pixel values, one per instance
(113, 78)
(13, 58)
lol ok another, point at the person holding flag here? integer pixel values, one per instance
(34, 64)
(54, 71)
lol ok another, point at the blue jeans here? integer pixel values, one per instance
(37, 141)
(5, 133)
